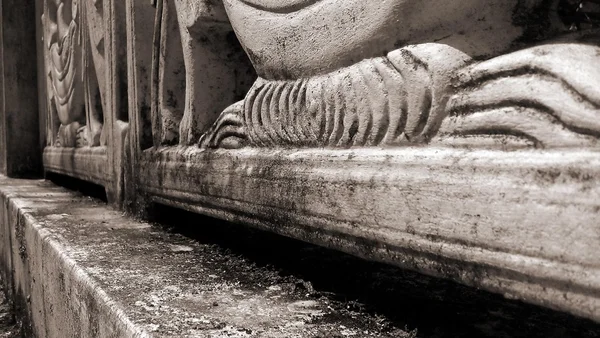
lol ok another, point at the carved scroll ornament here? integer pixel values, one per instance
(501, 73)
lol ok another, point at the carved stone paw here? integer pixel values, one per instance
(86, 137)
(228, 131)
(68, 135)
(82, 137)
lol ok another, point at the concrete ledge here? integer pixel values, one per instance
(62, 299)
(79, 269)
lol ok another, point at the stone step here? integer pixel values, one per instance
(77, 268)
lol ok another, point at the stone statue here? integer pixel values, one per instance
(392, 72)
(199, 69)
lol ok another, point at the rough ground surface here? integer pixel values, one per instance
(8, 326)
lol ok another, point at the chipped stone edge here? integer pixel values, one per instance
(15, 210)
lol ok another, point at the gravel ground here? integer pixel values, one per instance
(8, 326)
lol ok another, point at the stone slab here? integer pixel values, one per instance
(79, 269)
(90, 164)
(525, 224)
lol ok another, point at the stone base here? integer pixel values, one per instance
(51, 287)
(90, 164)
(521, 223)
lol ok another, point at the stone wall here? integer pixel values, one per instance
(455, 138)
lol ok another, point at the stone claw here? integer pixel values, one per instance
(228, 131)
(68, 135)
(82, 137)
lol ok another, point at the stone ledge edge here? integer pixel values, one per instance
(26, 230)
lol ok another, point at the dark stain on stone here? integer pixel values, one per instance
(20, 236)
(537, 22)
(93, 314)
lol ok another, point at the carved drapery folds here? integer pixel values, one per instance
(74, 55)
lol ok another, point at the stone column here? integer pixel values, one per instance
(20, 151)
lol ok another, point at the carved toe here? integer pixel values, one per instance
(228, 131)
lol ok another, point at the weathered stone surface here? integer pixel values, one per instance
(81, 269)
(521, 223)
(455, 138)
(19, 131)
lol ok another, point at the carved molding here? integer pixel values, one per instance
(87, 164)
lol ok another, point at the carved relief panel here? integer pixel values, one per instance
(74, 55)
(82, 90)
(457, 138)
